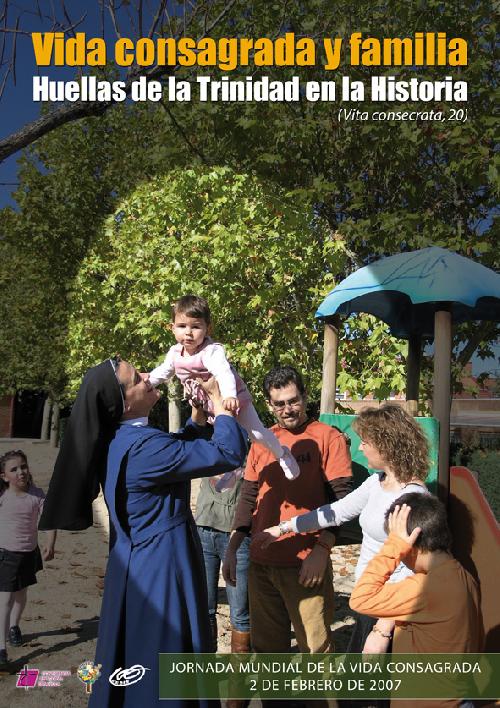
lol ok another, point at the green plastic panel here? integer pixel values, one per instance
(360, 468)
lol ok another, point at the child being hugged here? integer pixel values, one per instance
(21, 504)
(196, 355)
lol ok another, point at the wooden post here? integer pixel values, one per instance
(441, 399)
(47, 408)
(330, 355)
(174, 407)
(413, 362)
(11, 418)
(54, 428)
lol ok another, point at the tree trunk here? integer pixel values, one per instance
(54, 428)
(174, 407)
(47, 407)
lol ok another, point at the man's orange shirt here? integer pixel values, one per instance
(322, 455)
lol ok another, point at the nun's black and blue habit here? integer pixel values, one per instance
(155, 597)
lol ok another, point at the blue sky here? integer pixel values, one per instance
(17, 107)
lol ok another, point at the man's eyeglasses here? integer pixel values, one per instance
(281, 405)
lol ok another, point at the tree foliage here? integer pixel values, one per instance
(375, 189)
(262, 262)
(66, 187)
(143, 19)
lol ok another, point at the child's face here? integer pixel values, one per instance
(189, 331)
(16, 473)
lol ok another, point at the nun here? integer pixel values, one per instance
(155, 596)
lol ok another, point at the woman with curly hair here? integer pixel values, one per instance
(394, 445)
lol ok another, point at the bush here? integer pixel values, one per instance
(487, 466)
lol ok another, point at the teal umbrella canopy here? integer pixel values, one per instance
(406, 290)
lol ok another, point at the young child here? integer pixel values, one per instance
(197, 356)
(436, 609)
(21, 504)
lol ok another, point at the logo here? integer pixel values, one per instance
(88, 673)
(52, 678)
(126, 677)
(27, 678)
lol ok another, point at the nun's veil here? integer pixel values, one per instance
(81, 461)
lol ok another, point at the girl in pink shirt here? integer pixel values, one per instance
(197, 356)
(21, 504)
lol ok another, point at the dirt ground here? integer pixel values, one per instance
(60, 621)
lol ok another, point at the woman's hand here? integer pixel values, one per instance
(198, 415)
(264, 538)
(211, 388)
(376, 644)
(231, 404)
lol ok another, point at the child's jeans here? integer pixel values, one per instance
(214, 544)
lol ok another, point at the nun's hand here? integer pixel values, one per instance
(198, 415)
(211, 388)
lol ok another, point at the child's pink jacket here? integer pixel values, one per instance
(209, 360)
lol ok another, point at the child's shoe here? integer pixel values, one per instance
(3, 659)
(289, 464)
(15, 636)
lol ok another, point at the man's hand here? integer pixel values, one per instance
(314, 566)
(230, 560)
(398, 525)
(231, 404)
(266, 537)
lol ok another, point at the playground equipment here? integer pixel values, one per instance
(420, 295)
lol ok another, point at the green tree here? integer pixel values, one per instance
(69, 182)
(381, 187)
(262, 263)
